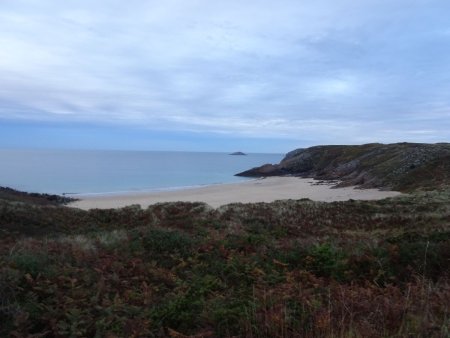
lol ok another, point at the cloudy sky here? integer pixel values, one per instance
(254, 75)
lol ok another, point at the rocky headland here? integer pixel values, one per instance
(398, 166)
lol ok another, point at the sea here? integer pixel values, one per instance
(108, 172)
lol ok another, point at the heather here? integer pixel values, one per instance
(293, 268)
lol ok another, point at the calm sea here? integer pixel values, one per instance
(70, 171)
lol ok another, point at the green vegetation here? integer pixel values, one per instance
(41, 199)
(282, 269)
(400, 166)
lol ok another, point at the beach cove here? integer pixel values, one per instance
(259, 190)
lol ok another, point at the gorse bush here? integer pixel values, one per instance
(163, 242)
(32, 263)
(325, 260)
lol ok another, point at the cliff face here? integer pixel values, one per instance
(399, 166)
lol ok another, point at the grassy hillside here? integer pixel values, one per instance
(40, 199)
(400, 166)
(282, 269)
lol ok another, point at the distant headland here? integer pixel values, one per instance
(398, 166)
(239, 153)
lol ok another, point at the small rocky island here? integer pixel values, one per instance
(239, 153)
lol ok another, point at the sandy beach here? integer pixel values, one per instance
(258, 190)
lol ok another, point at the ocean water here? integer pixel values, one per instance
(85, 172)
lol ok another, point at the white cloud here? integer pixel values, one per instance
(330, 87)
(281, 68)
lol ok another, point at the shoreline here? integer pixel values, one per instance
(267, 189)
(150, 191)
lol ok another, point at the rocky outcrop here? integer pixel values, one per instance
(264, 171)
(33, 198)
(400, 166)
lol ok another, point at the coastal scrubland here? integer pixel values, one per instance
(282, 269)
(290, 268)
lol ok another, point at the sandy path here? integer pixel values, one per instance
(261, 190)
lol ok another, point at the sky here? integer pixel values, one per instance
(224, 75)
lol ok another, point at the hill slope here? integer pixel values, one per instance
(282, 269)
(398, 166)
(13, 195)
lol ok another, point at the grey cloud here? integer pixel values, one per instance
(322, 70)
